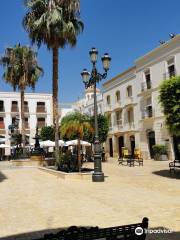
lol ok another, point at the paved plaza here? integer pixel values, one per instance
(33, 201)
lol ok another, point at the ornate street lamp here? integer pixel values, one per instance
(91, 79)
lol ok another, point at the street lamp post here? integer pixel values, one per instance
(14, 127)
(91, 80)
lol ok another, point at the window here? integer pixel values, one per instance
(129, 91)
(2, 126)
(130, 115)
(41, 107)
(108, 100)
(26, 123)
(26, 108)
(171, 68)
(148, 79)
(1, 106)
(118, 117)
(109, 120)
(40, 122)
(118, 96)
(14, 107)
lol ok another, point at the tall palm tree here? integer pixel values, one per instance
(76, 127)
(56, 24)
(21, 70)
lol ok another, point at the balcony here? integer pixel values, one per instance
(169, 74)
(129, 126)
(26, 109)
(117, 105)
(2, 110)
(40, 109)
(108, 108)
(118, 125)
(2, 125)
(148, 112)
(128, 101)
(145, 86)
(14, 109)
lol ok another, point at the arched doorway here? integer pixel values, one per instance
(120, 145)
(132, 144)
(110, 147)
(151, 142)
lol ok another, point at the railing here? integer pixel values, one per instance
(2, 125)
(14, 109)
(128, 101)
(26, 125)
(169, 74)
(108, 108)
(148, 113)
(117, 104)
(26, 109)
(118, 125)
(145, 86)
(41, 109)
(126, 232)
(2, 109)
(41, 124)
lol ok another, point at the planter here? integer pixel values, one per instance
(162, 157)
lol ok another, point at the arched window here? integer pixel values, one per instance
(129, 91)
(108, 100)
(117, 96)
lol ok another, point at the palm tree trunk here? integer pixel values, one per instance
(23, 122)
(55, 100)
(79, 154)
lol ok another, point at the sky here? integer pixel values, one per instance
(126, 29)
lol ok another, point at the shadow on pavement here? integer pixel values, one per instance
(2, 177)
(166, 173)
(35, 235)
(162, 236)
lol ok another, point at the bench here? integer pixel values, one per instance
(173, 165)
(130, 161)
(126, 232)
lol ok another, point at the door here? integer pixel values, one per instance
(132, 141)
(110, 147)
(151, 142)
(120, 144)
(176, 143)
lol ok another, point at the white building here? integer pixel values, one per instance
(86, 104)
(38, 113)
(131, 102)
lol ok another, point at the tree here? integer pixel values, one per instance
(73, 126)
(103, 128)
(170, 102)
(47, 133)
(55, 23)
(21, 70)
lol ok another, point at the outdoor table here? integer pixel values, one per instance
(130, 161)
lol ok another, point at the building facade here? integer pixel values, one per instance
(86, 104)
(132, 106)
(38, 113)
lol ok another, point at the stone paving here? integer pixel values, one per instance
(33, 201)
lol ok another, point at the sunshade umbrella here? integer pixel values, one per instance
(75, 142)
(47, 143)
(4, 146)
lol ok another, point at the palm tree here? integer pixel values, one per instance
(56, 24)
(76, 127)
(21, 70)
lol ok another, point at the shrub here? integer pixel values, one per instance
(159, 149)
(67, 162)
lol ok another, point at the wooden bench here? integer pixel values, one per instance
(173, 165)
(130, 161)
(126, 232)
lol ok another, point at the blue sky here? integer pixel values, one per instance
(126, 29)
